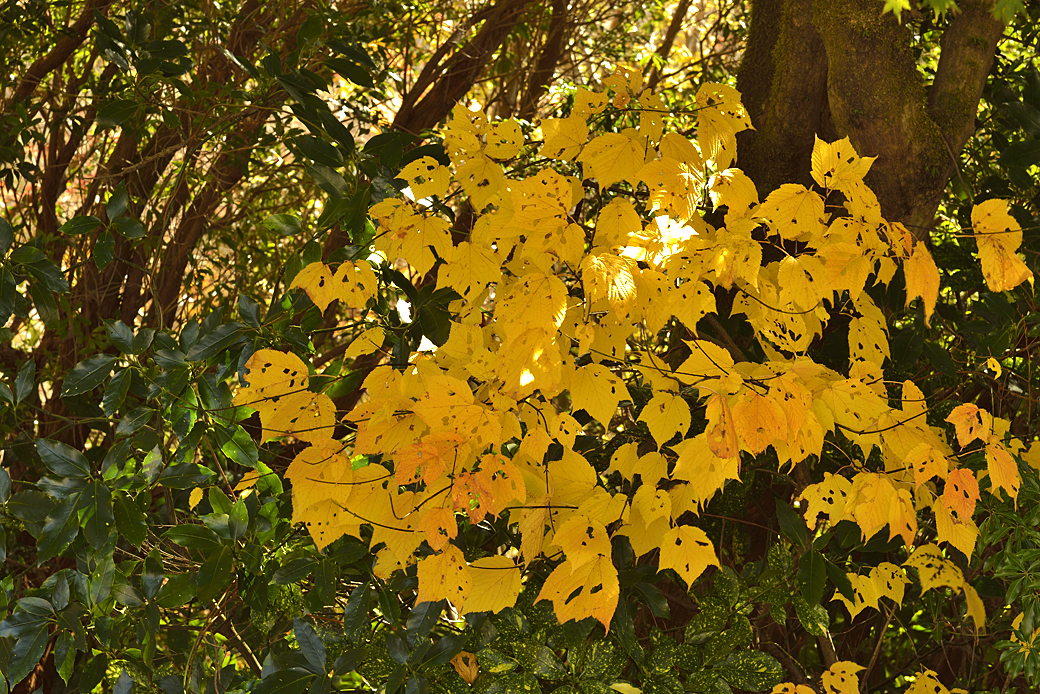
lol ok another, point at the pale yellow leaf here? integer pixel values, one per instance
(195, 497)
(666, 415)
(687, 550)
(495, 585)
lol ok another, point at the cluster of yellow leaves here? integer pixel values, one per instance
(843, 678)
(555, 317)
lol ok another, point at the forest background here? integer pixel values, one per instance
(622, 379)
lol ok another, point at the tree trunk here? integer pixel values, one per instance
(837, 68)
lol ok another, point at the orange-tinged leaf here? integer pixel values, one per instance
(439, 526)
(496, 585)
(841, 678)
(465, 664)
(1001, 267)
(721, 432)
(922, 280)
(873, 502)
(595, 389)
(428, 458)
(961, 493)
(927, 462)
(934, 569)
(612, 157)
(582, 540)
(444, 576)
(589, 590)
(666, 415)
(1003, 470)
(971, 422)
(759, 420)
(688, 551)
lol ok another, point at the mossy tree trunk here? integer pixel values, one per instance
(836, 68)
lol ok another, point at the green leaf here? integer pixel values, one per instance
(134, 420)
(30, 506)
(293, 571)
(422, 619)
(129, 227)
(215, 574)
(1021, 154)
(194, 537)
(355, 613)
(791, 524)
(87, 375)
(238, 520)
(6, 236)
(351, 71)
(65, 655)
(27, 652)
(117, 201)
(104, 249)
(753, 671)
(813, 618)
(120, 335)
(62, 459)
(177, 591)
(115, 113)
(841, 581)
(99, 585)
(496, 662)
(153, 575)
(284, 682)
(99, 519)
(5, 486)
(940, 359)
(59, 530)
(130, 520)
(311, 645)
(25, 381)
(46, 306)
(115, 392)
(80, 225)
(5, 393)
(236, 443)
(812, 576)
(216, 341)
(49, 274)
(284, 224)
(328, 179)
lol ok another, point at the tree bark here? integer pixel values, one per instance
(837, 68)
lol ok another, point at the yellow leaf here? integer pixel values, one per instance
(674, 186)
(934, 570)
(704, 470)
(688, 551)
(319, 473)
(890, 581)
(864, 595)
(675, 146)
(994, 366)
(426, 177)
(504, 139)
(961, 532)
(707, 361)
(536, 300)
(444, 576)
(971, 422)
(589, 590)
(927, 462)
(793, 211)
(1027, 648)
(1003, 470)
(927, 682)
(841, 678)
(564, 137)
(736, 191)
(582, 539)
(573, 478)
(835, 165)
(721, 432)
(587, 103)
(368, 342)
(617, 223)
(609, 276)
(873, 502)
(666, 415)
(308, 416)
(976, 609)
(316, 280)
(612, 157)
(248, 480)
(195, 497)
(796, 283)
(922, 279)
(481, 179)
(271, 374)
(598, 391)
(791, 688)
(999, 235)
(496, 585)
(828, 497)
